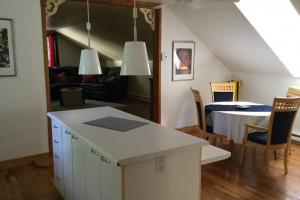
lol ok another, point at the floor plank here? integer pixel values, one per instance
(227, 180)
(27, 183)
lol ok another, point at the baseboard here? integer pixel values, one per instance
(188, 128)
(146, 99)
(295, 138)
(6, 164)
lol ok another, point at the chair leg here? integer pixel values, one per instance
(290, 148)
(253, 154)
(242, 156)
(275, 154)
(286, 160)
(231, 145)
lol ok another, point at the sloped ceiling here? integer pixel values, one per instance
(111, 27)
(228, 34)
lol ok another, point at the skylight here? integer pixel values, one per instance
(278, 23)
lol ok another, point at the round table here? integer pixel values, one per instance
(232, 123)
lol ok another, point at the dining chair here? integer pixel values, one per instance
(205, 130)
(277, 135)
(293, 91)
(226, 91)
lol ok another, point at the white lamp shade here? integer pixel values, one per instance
(135, 59)
(89, 62)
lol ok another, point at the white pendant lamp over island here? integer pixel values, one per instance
(135, 57)
(89, 60)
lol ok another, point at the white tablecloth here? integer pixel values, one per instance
(232, 123)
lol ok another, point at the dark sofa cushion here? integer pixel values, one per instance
(63, 77)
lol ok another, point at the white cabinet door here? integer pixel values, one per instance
(111, 184)
(57, 156)
(93, 174)
(78, 168)
(67, 163)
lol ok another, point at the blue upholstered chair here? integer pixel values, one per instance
(204, 130)
(224, 91)
(277, 135)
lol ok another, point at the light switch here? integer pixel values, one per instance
(164, 56)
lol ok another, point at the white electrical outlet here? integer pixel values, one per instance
(160, 164)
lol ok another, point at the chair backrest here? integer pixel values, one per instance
(200, 110)
(224, 91)
(282, 119)
(293, 91)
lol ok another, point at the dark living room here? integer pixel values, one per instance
(66, 37)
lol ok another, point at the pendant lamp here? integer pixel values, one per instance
(135, 57)
(89, 60)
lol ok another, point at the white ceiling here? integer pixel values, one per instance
(219, 24)
(228, 34)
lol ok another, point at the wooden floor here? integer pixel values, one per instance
(27, 183)
(224, 180)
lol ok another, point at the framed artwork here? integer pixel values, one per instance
(183, 60)
(7, 62)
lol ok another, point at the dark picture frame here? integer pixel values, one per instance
(183, 56)
(7, 57)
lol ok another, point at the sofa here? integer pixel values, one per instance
(62, 77)
(109, 86)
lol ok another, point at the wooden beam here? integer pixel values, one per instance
(126, 3)
(157, 69)
(46, 70)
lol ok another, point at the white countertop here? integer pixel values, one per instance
(149, 141)
(211, 154)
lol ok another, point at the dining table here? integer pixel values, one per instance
(229, 118)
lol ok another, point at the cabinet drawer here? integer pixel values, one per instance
(59, 184)
(57, 145)
(57, 156)
(56, 129)
(58, 166)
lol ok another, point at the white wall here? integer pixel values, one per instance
(263, 88)
(23, 122)
(177, 103)
(69, 52)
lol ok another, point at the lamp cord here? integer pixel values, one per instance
(135, 15)
(88, 24)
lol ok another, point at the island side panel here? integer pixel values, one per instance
(180, 178)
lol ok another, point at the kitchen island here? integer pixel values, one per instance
(150, 162)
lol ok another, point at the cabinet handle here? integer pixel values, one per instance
(56, 156)
(55, 141)
(93, 151)
(55, 126)
(105, 160)
(67, 132)
(74, 137)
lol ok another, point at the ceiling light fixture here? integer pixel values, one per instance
(135, 56)
(89, 60)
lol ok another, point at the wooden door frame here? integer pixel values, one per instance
(156, 98)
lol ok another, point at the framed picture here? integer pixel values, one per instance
(183, 60)
(7, 62)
